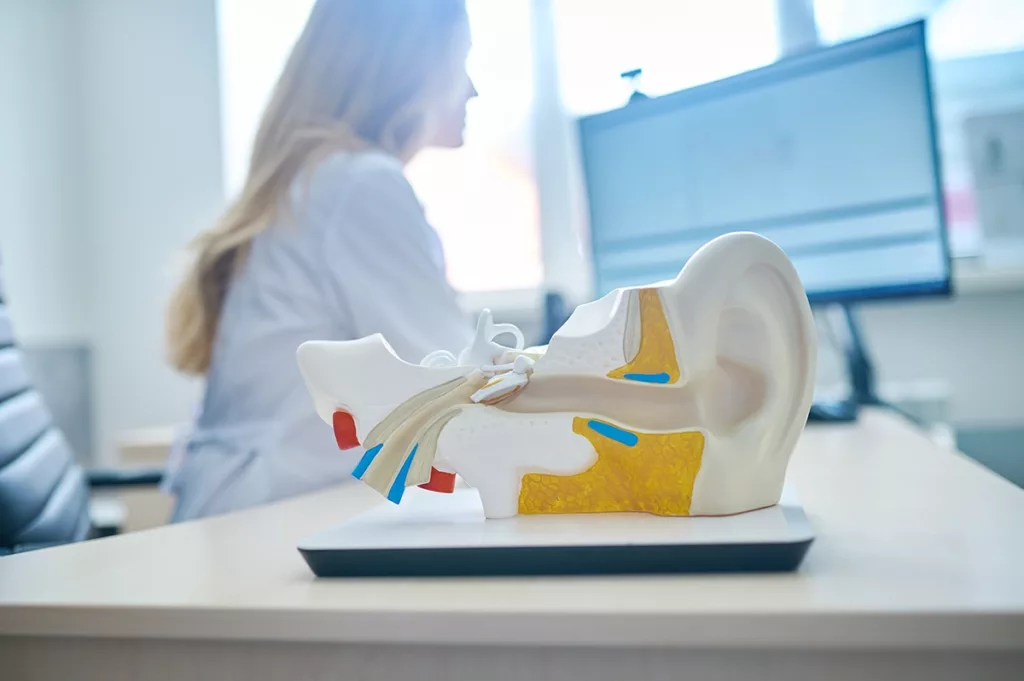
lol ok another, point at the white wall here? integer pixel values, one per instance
(41, 231)
(111, 161)
(152, 180)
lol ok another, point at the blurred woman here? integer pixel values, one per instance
(326, 241)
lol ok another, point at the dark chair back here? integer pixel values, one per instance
(44, 496)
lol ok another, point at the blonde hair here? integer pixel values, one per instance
(363, 73)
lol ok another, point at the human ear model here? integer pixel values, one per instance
(680, 398)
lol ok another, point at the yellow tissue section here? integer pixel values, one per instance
(655, 475)
(657, 354)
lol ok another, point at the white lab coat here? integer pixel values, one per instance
(355, 258)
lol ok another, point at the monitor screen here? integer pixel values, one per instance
(831, 154)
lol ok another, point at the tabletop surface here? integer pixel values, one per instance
(917, 546)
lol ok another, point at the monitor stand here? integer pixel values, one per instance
(860, 371)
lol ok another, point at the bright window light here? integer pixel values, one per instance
(482, 199)
(255, 37)
(678, 44)
(956, 28)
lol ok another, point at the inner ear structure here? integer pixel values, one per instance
(681, 398)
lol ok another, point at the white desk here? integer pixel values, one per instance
(917, 572)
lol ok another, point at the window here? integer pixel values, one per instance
(482, 199)
(254, 41)
(677, 44)
(956, 28)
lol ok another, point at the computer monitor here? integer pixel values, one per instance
(832, 154)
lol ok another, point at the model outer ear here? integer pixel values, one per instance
(746, 336)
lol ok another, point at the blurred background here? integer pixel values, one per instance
(125, 124)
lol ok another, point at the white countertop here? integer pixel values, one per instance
(917, 546)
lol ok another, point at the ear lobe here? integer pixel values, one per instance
(746, 329)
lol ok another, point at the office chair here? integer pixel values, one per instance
(44, 493)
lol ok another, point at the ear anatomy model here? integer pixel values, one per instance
(681, 398)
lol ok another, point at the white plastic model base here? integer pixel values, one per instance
(430, 534)
(682, 398)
